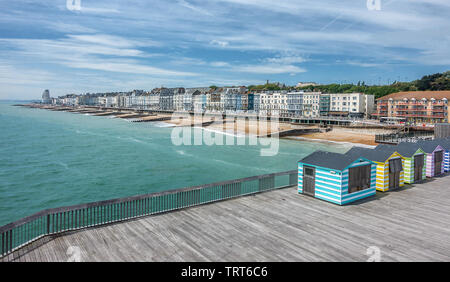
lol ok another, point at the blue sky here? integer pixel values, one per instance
(123, 45)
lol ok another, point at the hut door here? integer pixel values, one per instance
(418, 167)
(395, 167)
(309, 180)
(438, 158)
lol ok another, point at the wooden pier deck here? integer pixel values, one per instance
(412, 224)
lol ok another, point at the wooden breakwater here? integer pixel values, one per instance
(291, 132)
(152, 120)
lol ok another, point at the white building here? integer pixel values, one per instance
(199, 102)
(273, 103)
(311, 104)
(355, 104)
(295, 103)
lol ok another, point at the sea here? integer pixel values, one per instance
(51, 159)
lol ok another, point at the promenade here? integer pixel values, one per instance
(411, 224)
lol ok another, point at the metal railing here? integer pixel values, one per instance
(58, 220)
(396, 138)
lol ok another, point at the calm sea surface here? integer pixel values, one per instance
(52, 159)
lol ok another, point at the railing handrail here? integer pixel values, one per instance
(224, 185)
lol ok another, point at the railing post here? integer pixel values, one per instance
(48, 223)
(3, 243)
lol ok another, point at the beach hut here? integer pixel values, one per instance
(336, 178)
(414, 165)
(435, 157)
(445, 143)
(390, 173)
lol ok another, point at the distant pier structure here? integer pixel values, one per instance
(442, 130)
(46, 99)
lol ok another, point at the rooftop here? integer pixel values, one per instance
(374, 155)
(329, 160)
(411, 224)
(405, 149)
(418, 95)
(428, 146)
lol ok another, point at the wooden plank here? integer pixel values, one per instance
(410, 224)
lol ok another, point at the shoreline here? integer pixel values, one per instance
(299, 138)
(232, 127)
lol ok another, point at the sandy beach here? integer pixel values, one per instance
(347, 135)
(240, 126)
(243, 127)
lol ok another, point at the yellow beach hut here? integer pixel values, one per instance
(390, 172)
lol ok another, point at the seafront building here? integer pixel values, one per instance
(311, 104)
(295, 103)
(274, 104)
(416, 107)
(237, 100)
(351, 104)
(46, 99)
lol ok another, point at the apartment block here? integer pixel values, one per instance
(351, 104)
(416, 106)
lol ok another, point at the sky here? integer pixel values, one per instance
(81, 46)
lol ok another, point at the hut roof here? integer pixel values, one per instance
(380, 156)
(329, 160)
(407, 149)
(429, 146)
(444, 142)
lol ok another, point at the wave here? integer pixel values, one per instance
(162, 124)
(183, 153)
(222, 132)
(63, 165)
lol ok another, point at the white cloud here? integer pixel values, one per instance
(194, 8)
(123, 67)
(223, 40)
(83, 51)
(219, 43)
(269, 69)
(220, 64)
(286, 60)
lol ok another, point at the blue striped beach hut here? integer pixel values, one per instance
(336, 178)
(435, 157)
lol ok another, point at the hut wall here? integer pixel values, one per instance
(447, 161)
(430, 165)
(382, 177)
(348, 198)
(300, 178)
(409, 170)
(328, 185)
(383, 174)
(430, 162)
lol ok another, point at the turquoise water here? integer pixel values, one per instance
(52, 159)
